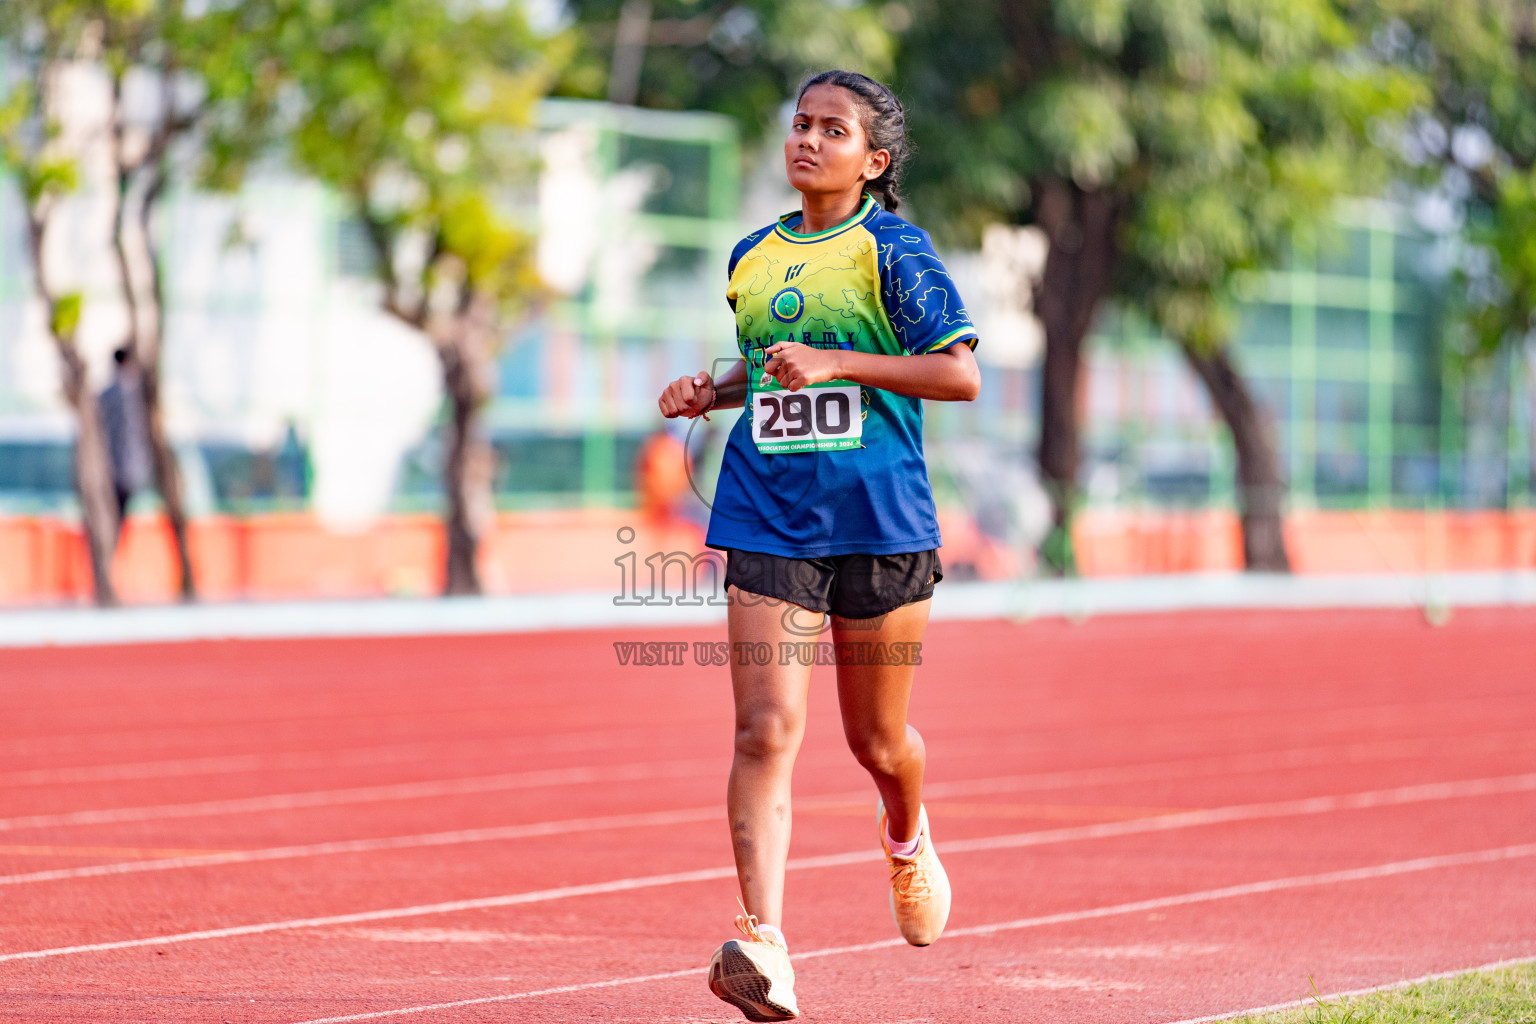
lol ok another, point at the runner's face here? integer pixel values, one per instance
(827, 151)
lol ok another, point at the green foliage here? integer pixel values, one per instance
(28, 136)
(494, 255)
(738, 57)
(196, 59)
(65, 316)
(411, 110)
(405, 107)
(1475, 140)
(237, 62)
(1221, 127)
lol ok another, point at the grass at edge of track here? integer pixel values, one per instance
(1503, 996)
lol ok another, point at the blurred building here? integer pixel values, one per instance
(276, 354)
(637, 214)
(1349, 350)
(1403, 448)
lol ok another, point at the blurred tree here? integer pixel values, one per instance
(415, 112)
(148, 41)
(738, 57)
(169, 75)
(46, 168)
(1162, 148)
(1473, 142)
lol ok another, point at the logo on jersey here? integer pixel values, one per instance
(788, 305)
(793, 272)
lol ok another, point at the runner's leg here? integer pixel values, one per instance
(770, 722)
(874, 702)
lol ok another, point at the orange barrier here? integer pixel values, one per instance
(1132, 543)
(1413, 541)
(291, 555)
(1129, 543)
(41, 560)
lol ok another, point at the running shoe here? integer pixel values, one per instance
(919, 886)
(754, 976)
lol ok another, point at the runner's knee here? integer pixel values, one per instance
(768, 733)
(879, 753)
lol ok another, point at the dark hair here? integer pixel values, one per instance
(884, 123)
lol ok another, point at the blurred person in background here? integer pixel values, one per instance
(661, 477)
(122, 420)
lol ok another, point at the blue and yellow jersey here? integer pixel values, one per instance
(835, 468)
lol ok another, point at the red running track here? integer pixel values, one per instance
(1145, 819)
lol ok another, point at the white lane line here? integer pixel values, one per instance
(1352, 993)
(510, 997)
(1401, 867)
(1248, 812)
(1142, 772)
(453, 838)
(1241, 812)
(104, 743)
(373, 794)
(229, 764)
(1226, 764)
(1130, 826)
(365, 756)
(538, 896)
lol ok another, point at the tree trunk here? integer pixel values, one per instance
(470, 463)
(1260, 488)
(629, 44)
(1081, 227)
(146, 342)
(167, 477)
(147, 352)
(93, 473)
(93, 466)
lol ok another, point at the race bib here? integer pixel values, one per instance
(826, 417)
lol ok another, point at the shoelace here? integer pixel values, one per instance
(909, 881)
(747, 923)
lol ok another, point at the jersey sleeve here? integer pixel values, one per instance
(742, 248)
(924, 307)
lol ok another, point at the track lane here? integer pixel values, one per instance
(1030, 980)
(1116, 819)
(569, 874)
(1059, 962)
(1022, 698)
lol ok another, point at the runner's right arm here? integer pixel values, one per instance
(690, 396)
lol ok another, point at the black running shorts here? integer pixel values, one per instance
(849, 586)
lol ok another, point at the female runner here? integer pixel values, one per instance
(846, 320)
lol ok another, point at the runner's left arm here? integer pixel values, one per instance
(948, 375)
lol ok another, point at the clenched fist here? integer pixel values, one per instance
(688, 396)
